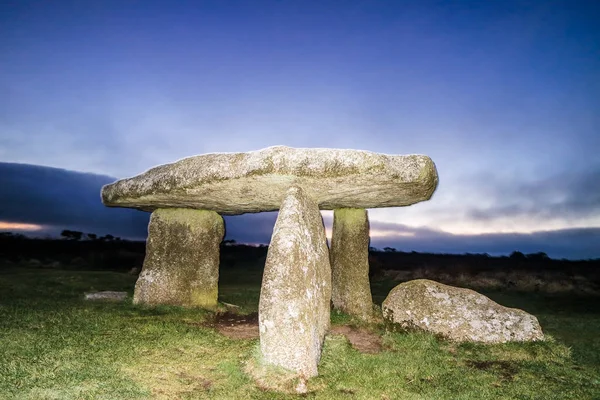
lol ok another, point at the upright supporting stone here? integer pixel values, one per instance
(296, 289)
(351, 292)
(182, 259)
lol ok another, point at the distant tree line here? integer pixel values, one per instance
(76, 235)
(110, 252)
(515, 255)
(73, 249)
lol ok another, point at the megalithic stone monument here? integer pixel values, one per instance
(299, 181)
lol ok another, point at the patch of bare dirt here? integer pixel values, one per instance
(361, 339)
(236, 326)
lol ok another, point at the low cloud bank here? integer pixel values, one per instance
(60, 199)
(580, 243)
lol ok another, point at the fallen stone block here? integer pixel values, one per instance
(457, 314)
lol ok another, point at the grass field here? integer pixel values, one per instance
(55, 345)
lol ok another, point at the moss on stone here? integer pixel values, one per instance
(351, 291)
(182, 259)
(204, 298)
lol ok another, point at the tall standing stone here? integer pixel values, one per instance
(351, 291)
(294, 308)
(182, 259)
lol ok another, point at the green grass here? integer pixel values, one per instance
(55, 345)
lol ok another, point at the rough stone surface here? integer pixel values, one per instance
(294, 307)
(182, 259)
(236, 183)
(106, 295)
(350, 289)
(457, 314)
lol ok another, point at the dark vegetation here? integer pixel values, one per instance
(71, 252)
(527, 272)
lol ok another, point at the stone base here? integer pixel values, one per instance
(294, 308)
(351, 291)
(182, 259)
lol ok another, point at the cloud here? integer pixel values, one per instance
(568, 195)
(61, 199)
(502, 201)
(579, 243)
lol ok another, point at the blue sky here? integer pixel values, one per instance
(504, 96)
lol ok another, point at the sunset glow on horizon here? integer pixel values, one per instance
(18, 226)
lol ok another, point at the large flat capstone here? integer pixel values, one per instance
(294, 307)
(237, 183)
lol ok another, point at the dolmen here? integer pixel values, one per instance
(302, 276)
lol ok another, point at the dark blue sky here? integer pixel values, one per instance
(503, 95)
